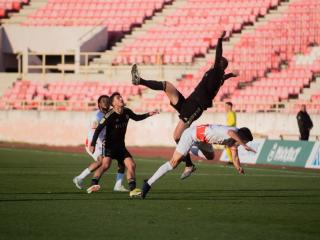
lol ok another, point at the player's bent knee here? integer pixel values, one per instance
(209, 155)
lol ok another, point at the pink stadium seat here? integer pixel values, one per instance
(117, 16)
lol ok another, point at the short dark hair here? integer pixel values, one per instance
(229, 104)
(245, 134)
(113, 95)
(101, 97)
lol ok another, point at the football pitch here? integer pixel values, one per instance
(39, 201)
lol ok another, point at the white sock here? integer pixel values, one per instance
(160, 172)
(84, 173)
(119, 178)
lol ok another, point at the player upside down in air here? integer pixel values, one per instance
(205, 134)
(192, 107)
(103, 105)
(116, 122)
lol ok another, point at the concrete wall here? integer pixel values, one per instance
(53, 40)
(49, 39)
(70, 128)
(1, 54)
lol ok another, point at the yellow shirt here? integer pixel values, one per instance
(231, 119)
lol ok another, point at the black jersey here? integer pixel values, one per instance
(211, 82)
(116, 127)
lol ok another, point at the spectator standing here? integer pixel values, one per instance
(305, 123)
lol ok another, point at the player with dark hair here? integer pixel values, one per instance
(206, 134)
(192, 107)
(103, 105)
(116, 122)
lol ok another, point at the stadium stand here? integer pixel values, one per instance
(29, 94)
(264, 54)
(117, 15)
(10, 5)
(316, 97)
(191, 30)
(265, 49)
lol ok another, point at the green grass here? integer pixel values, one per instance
(39, 201)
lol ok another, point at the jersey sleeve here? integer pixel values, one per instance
(137, 117)
(218, 53)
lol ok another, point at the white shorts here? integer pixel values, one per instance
(186, 141)
(189, 142)
(97, 152)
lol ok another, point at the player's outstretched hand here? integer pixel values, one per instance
(223, 34)
(250, 149)
(154, 112)
(91, 149)
(235, 73)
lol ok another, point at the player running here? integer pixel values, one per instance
(191, 108)
(103, 105)
(116, 122)
(207, 134)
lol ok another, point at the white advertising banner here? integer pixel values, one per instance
(314, 158)
(244, 155)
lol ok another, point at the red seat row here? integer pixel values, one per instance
(65, 91)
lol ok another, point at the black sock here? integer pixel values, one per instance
(154, 85)
(132, 184)
(94, 181)
(187, 160)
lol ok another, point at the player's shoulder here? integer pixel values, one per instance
(108, 116)
(126, 110)
(110, 113)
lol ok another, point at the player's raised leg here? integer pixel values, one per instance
(171, 91)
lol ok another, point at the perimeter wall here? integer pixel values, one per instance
(70, 128)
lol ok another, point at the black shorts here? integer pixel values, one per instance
(178, 105)
(190, 111)
(117, 153)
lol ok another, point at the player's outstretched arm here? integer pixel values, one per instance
(140, 117)
(154, 112)
(235, 159)
(219, 49)
(230, 75)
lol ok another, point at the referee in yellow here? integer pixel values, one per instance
(231, 122)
